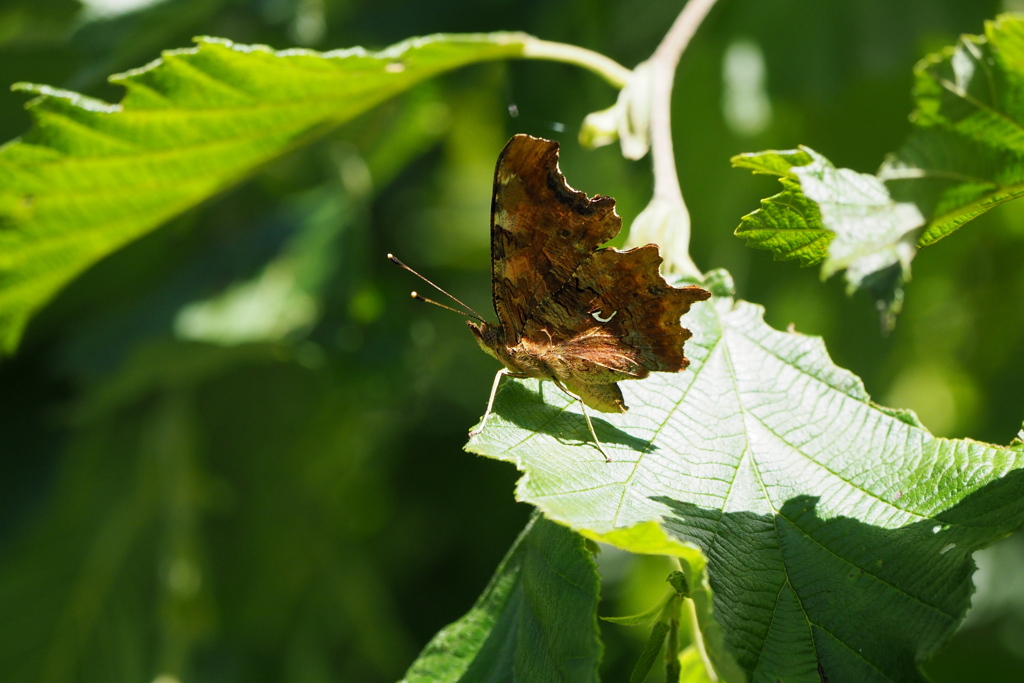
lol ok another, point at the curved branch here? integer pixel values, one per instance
(667, 206)
(605, 67)
(663, 70)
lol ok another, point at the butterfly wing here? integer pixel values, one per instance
(615, 318)
(590, 316)
(541, 230)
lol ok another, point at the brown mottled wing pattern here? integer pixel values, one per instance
(541, 230)
(615, 318)
(583, 316)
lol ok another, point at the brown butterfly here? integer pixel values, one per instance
(568, 311)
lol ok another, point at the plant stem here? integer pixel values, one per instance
(672, 642)
(605, 67)
(663, 65)
(689, 612)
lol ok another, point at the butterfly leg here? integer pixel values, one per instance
(583, 407)
(490, 402)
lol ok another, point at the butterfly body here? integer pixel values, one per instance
(526, 359)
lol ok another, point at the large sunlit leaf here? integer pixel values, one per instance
(838, 532)
(966, 153)
(91, 176)
(536, 621)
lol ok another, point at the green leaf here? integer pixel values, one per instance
(839, 217)
(838, 533)
(536, 621)
(645, 619)
(649, 538)
(774, 162)
(91, 176)
(870, 229)
(680, 584)
(649, 655)
(788, 225)
(658, 619)
(966, 153)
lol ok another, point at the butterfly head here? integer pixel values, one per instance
(491, 338)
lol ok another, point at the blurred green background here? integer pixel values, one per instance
(232, 450)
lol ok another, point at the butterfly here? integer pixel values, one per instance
(568, 311)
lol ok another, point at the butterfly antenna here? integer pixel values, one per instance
(420, 297)
(394, 259)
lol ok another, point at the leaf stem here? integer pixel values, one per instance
(689, 613)
(663, 65)
(672, 669)
(605, 67)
